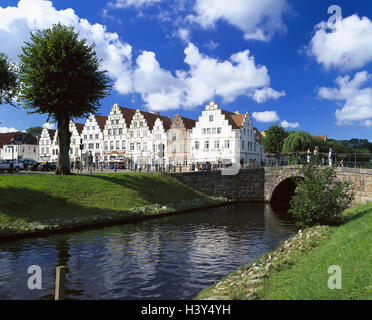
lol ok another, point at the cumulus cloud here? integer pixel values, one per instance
(17, 22)
(357, 100)
(259, 20)
(266, 116)
(206, 78)
(286, 124)
(345, 44)
(134, 3)
(6, 130)
(261, 95)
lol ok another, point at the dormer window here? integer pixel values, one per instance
(211, 118)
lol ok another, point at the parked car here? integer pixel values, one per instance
(46, 166)
(11, 165)
(29, 164)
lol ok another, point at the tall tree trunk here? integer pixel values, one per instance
(64, 135)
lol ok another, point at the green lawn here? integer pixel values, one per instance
(303, 274)
(51, 199)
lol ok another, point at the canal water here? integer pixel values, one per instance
(166, 258)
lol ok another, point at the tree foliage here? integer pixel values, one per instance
(61, 77)
(274, 139)
(319, 197)
(297, 141)
(8, 81)
(35, 131)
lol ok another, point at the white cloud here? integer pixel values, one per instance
(346, 44)
(49, 125)
(357, 100)
(184, 34)
(258, 20)
(6, 130)
(286, 124)
(135, 3)
(17, 22)
(206, 78)
(266, 116)
(261, 95)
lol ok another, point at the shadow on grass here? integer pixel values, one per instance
(353, 216)
(153, 188)
(32, 205)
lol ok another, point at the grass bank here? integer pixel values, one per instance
(298, 269)
(39, 203)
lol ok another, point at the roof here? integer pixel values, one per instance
(79, 127)
(324, 138)
(101, 120)
(12, 137)
(6, 137)
(235, 120)
(189, 123)
(51, 133)
(151, 118)
(128, 114)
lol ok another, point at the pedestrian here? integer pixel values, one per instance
(308, 155)
(330, 157)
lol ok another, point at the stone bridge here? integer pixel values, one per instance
(267, 184)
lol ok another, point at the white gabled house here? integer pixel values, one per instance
(46, 144)
(223, 137)
(92, 138)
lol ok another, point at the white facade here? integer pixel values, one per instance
(45, 144)
(92, 136)
(160, 143)
(223, 137)
(76, 129)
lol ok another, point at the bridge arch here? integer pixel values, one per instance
(283, 187)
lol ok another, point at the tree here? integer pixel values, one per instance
(297, 141)
(319, 197)
(274, 139)
(35, 131)
(8, 81)
(61, 77)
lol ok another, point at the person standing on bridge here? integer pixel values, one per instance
(330, 157)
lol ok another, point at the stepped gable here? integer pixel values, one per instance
(128, 114)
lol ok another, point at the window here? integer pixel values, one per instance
(117, 145)
(106, 145)
(131, 146)
(109, 132)
(123, 144)
(206, 144)
(242, 144)
(138, 146)
(91, 146)
(97, 145)
(174, 147)
(227, 144)
(85, 137)
(209, 131)
(90, 137)
(174, 136)
(74, 141)
(111, 145)
(120, 131)
(145, 146)
(42, 150)
(117, 121)
(71, 151)
(114, 132)
(97, 136)
(211, 118)
(204, 131)
(112, 122)
(218, 130)
(216, 144)
(213, 130)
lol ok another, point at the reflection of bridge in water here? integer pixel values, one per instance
(269, 184)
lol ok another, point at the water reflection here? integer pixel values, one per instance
(168, 258)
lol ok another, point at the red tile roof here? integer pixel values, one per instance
(51, 133)
(235, 120)
(6, 137)
(128, 114)
(188, 123)
(79, 127)
(101, 120)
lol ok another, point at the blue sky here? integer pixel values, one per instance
(281, 60)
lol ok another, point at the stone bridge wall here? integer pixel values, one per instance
(258, 184)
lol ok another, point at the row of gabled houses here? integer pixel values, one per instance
(146, 139)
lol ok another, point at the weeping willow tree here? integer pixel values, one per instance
(297, 141)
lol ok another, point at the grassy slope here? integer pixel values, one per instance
(30, 198)
(305, 273)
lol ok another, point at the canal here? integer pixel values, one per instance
(167, 258)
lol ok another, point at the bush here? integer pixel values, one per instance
(319, 197)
